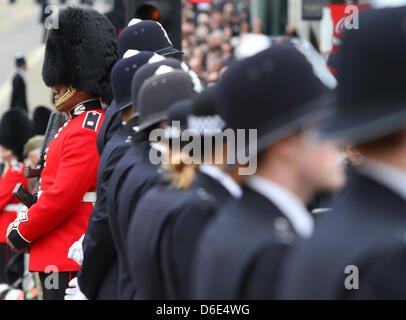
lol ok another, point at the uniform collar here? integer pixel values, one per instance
(288, 203)
(223, 178)
(92, 104)
(21, 72)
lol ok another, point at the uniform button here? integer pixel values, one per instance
(283, 233)
(281, 224)
(202, 193)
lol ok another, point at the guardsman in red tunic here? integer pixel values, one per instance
(15, 130)
(79, 56)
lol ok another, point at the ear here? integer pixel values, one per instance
(162, 124)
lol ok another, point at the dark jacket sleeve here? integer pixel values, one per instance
(182, 233)
(99, 251)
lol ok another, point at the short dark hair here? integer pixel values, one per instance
(381, 144)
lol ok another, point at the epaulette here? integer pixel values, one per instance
(92, 120)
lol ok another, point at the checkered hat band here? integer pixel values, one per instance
(202, 123)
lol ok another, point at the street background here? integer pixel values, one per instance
(22, 31)
(206, 42)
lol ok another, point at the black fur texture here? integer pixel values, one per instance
(40, 119)
(15, 129)
(81, 52)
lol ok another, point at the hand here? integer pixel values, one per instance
(76, 251)
(73, 292)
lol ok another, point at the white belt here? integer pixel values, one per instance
(13, 207)
(88, 197)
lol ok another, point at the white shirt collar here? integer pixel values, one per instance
(389, 176)
(290, 205)
(223, 178)
(21, 72)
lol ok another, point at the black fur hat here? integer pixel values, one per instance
(40, 119)
(15, 130)
(81, 52)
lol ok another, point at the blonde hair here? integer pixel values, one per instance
(180, 174)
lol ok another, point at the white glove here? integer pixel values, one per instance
(73, 292)
(76, 251)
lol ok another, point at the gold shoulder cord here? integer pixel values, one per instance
(67, 95)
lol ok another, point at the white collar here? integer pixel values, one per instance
(389, 176)
(223, 178)
(290, 205)
(21, 72)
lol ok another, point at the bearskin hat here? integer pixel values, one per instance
(15, 129)
(40, 119)
(81, 52)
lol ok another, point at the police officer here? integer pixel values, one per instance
(15, 130)
(144, 36)
(241, 250)
(143, 241)
(18, 94)
(98, 275)
(179, 223)
(78, 60)
(135, 172)
(358, 249)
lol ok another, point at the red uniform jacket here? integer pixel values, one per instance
(14, 175)
(59, 217)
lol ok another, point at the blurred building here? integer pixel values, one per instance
(301, 17)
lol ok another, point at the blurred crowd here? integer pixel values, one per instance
(211, 32)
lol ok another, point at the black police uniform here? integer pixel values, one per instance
(240, 253)
(125, 289)
(18, 95)
(98, 275)
(358, 250)
(140, 178)
(113, 143)
(111, 123)
(144, 239)
(144, 233)
(366, 229)
(175, 224)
